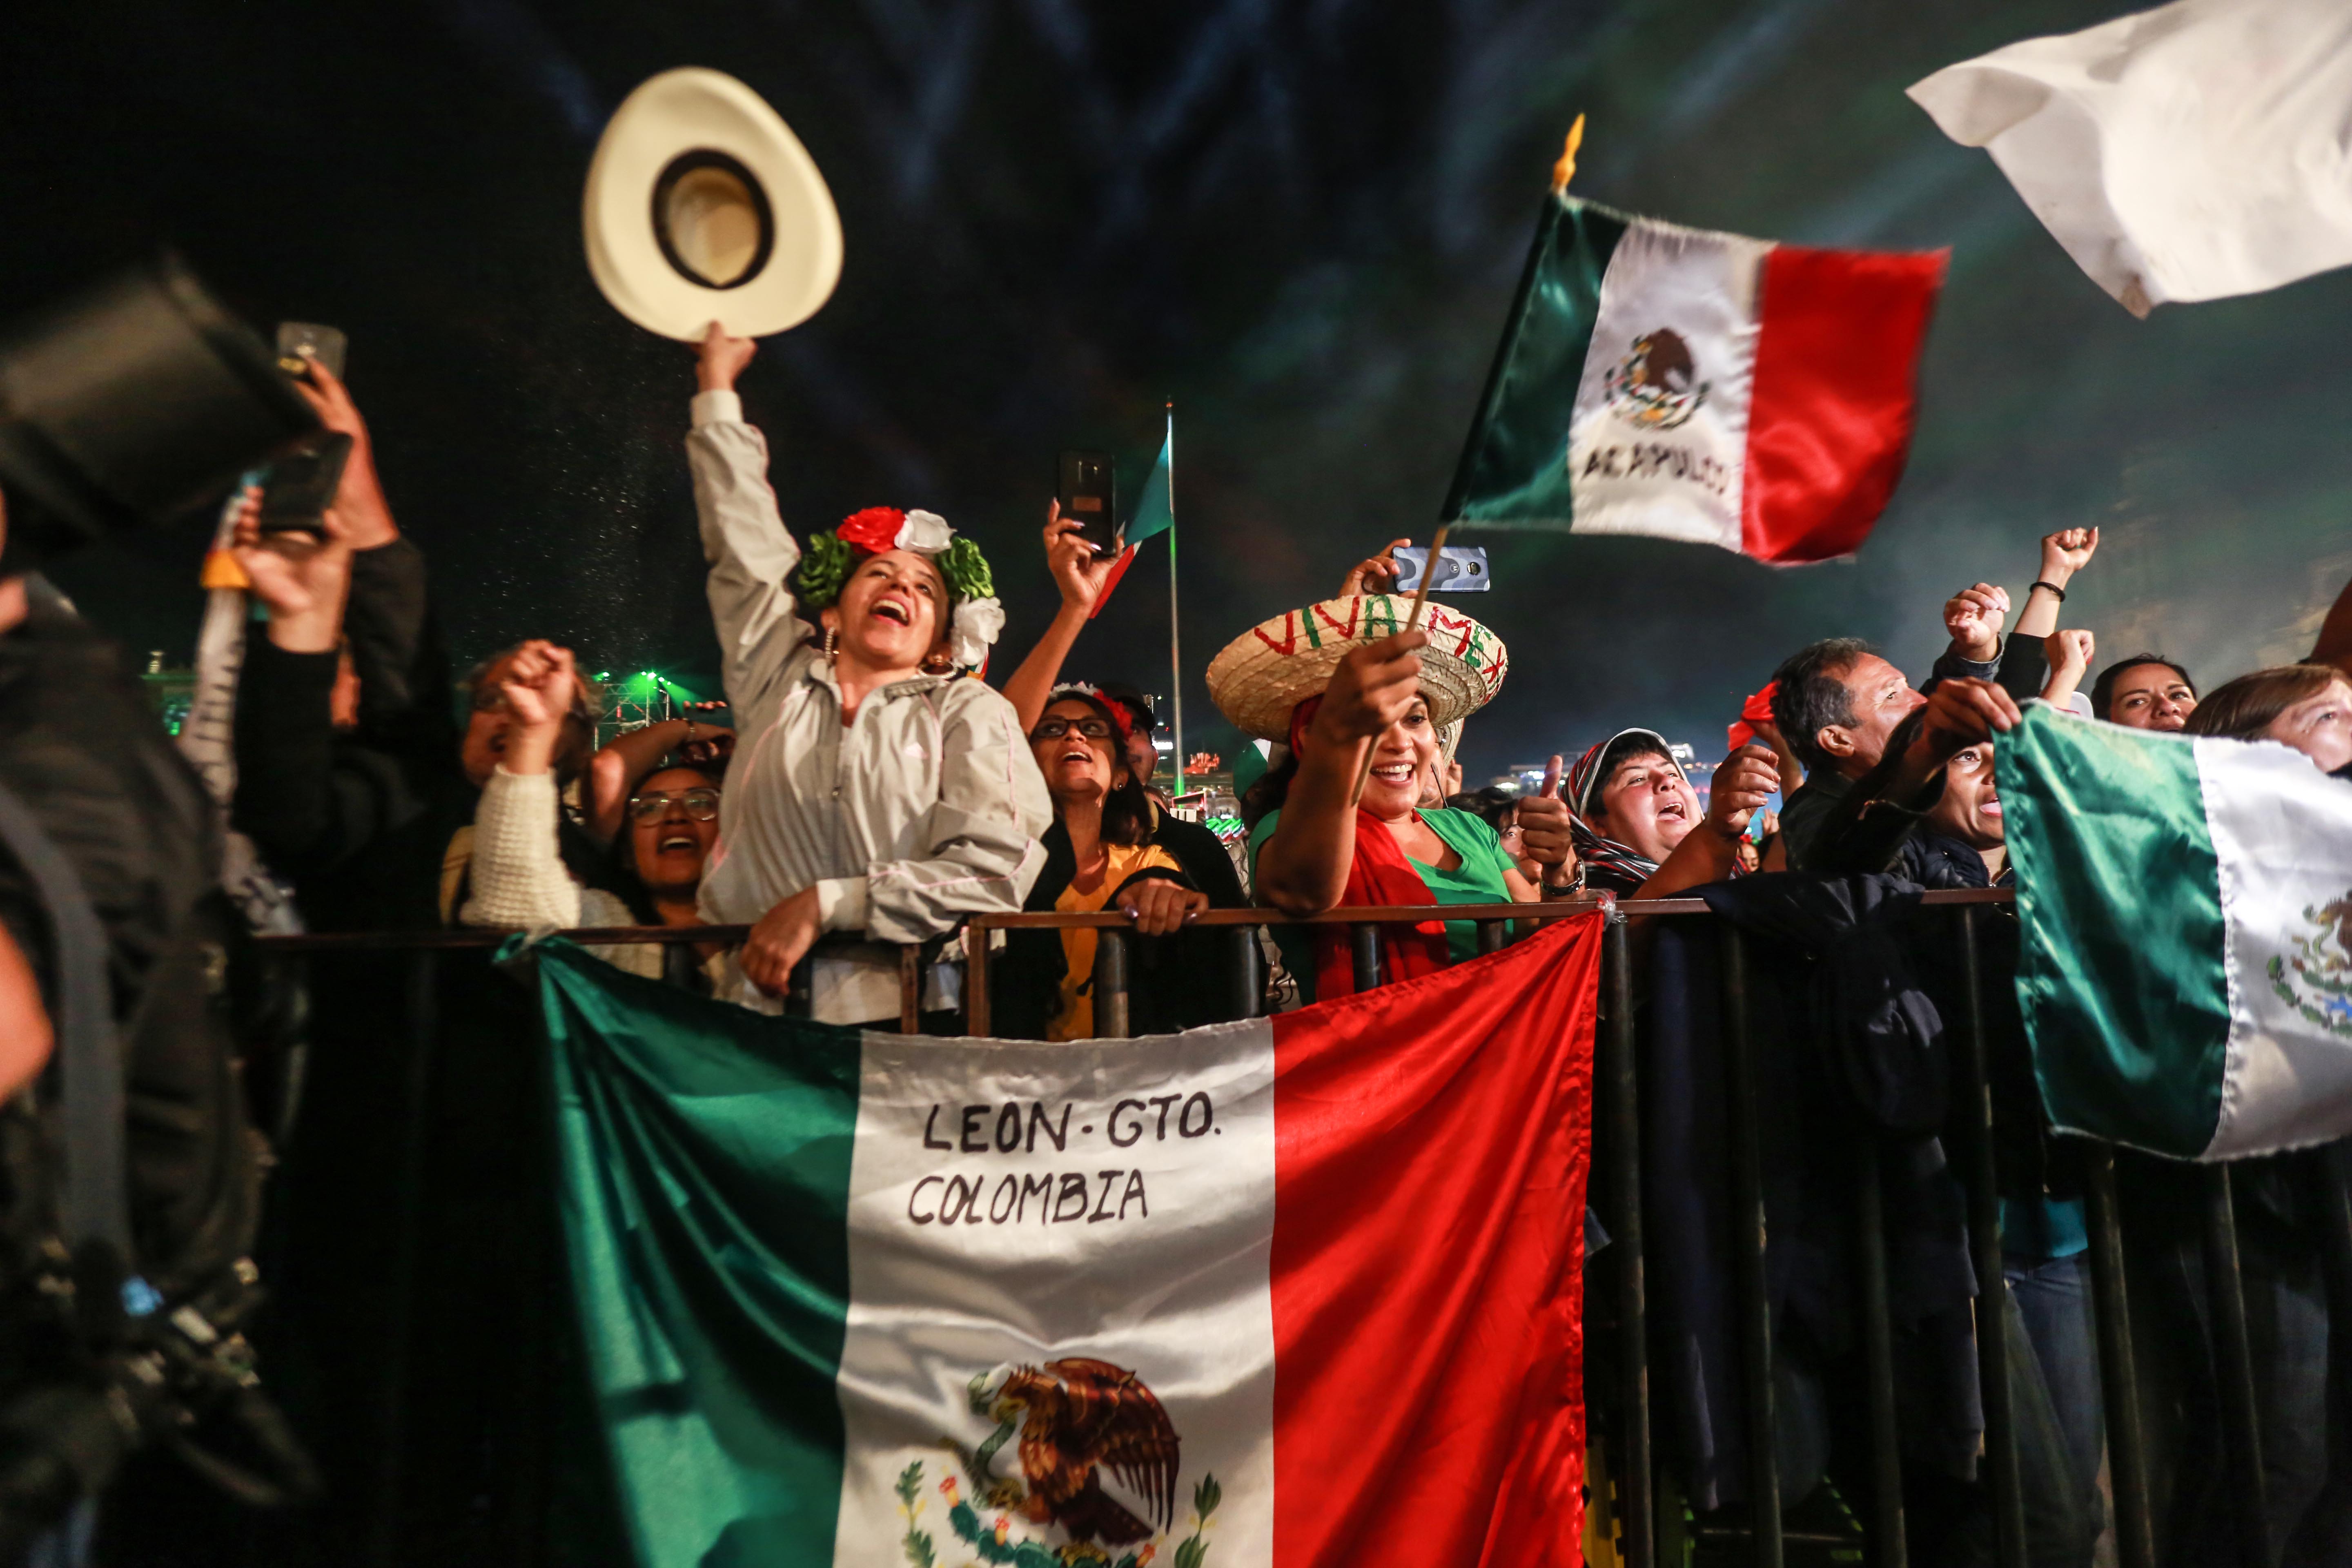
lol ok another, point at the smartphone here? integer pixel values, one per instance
(1086, 486)
(301, 485)
(1461, 568)
(298, 343)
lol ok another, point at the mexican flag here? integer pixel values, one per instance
(1699, 386)
(1302, 1291)
(2185, 967)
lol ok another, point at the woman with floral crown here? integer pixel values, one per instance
(876, 796)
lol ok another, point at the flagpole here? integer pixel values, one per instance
(1175, 641)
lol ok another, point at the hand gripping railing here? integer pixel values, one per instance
(1643, 1513)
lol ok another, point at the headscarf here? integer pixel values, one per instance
(1582, 785)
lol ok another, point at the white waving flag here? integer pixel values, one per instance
(2194, 151)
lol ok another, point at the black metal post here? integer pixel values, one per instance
(1243, 999)
(385, 1542)
(1492, 934)
(1619, 1103)
(1992, 1289)
(2118, 1369)
(1891, 1547)
(1110, 984)
(1754, 1304)
(1364, 945)
(2233, 1370)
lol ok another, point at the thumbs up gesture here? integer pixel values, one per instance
(1544, 831)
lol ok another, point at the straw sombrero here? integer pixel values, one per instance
(1274, 666)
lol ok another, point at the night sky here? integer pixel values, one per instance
(1300, 221)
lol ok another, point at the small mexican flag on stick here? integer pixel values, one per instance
(1699, 386)
(2186, 962)
(1300, 1292)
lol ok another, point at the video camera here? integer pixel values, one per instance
(121, 407)
(126, 403)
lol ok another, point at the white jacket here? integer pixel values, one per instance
(924, 810)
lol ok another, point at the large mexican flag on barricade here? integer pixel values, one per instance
(1299, 1290)
(2186, 968)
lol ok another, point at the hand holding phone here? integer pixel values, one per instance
(301, 485)
(299, 342)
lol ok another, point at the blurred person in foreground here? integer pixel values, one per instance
(1313, 847)
(879, 795)
(1100, 854)
(82, 753)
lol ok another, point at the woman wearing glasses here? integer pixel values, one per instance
(1098, 853)
(518, 878)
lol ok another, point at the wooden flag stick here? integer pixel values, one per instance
(1411, 623)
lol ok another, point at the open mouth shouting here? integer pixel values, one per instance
(1395, 774)
(1673, 809)
(889, 608)
(679, 841)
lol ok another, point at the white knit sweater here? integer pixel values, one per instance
(519, 881)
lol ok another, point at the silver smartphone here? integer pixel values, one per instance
(1461, 568)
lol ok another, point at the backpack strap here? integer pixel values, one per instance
(94, 1205)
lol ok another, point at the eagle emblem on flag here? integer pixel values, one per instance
(1656, 387)
(1068, 1422)
(2322, 962)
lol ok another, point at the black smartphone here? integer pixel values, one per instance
(1086, 486)
(302, 484)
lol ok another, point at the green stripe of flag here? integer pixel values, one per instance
(716, 1469)
(1152, 515)
(2120, 970)
(1515, 464)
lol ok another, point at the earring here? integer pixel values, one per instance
(937, 663)
(831, 639)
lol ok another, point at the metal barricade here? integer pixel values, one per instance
(1641, 1506)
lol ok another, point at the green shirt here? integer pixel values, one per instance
(1477, 881)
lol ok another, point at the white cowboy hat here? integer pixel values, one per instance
(1274, 666)
(703, 206)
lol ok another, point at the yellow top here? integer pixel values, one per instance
(1074, 1019)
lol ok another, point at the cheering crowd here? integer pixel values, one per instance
(870, 793)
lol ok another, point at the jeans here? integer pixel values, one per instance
(2053, 1301)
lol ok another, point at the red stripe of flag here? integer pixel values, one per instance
(1118, 570)
(1432, 1140)
(1836, 395)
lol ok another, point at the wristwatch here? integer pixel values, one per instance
(1568, 891)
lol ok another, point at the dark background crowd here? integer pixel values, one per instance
(1302, 222)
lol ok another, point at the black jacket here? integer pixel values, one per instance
(80, 747)
(1171, 979)
(359, 821)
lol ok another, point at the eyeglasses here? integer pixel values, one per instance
(701, 804)
(1054, 729)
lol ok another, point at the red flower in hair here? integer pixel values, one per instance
(874, 529)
